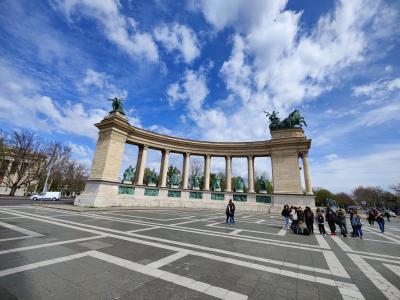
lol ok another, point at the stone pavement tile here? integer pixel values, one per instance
(94, 245)
(328, 292)
(12, 260)
(6, 295)
(21, 287)
(139, 253)
(6, 233)
(46, 253)
(248, 247)
(42, 284)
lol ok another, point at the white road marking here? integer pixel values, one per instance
(282, 232)
(167, 260)
(388, 289)
(187, 222)
(322, 242)
(144, 229)
(41, 264)
(20, 229)
(170, 277)
(334, 264)
(80, 226)
(236, 231)
(394, 269)
(148, 218)
(16, 238)
(11, 218)
(50, 244)
(260, 221)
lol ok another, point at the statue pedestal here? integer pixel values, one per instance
(239, 191)
(263, 192)
(127, 182)
(175, 186)
(151, 184)
(217, 190)
(195, 188)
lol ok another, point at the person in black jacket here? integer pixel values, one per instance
(286, 215)
(331, 219)
(309, 218)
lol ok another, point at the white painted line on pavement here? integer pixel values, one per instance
(80, 227)
(16, 238)
(20, 229)
(322, 242)
(51, 244)
(394, 269)
(282, 232)
(236, 231)
(386, 288)
(144, 229)
(170, 277)
(41, 264)
(167, 260)
(260, 221)
(334, 264)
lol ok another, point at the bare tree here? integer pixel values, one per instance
(196, 168)
(396, 188)
(25, 152)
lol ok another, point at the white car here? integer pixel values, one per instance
(54, 196)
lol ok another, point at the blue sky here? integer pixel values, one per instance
(207, 70)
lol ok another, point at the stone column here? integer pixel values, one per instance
(164, 168)
(207, 161)
(250, 169)
(307, 176)
(228, 173)
(185, 170)
(142, 156)
(108, 155)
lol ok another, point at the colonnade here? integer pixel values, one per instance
(141, 165)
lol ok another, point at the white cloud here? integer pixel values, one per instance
(22, 105)
(377, 89)
(192, 90)
(178, 37)
(160, 129)
(119, 29)
(276, 65)
(98, 86)
(380, 167)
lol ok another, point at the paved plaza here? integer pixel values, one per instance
(50, 253)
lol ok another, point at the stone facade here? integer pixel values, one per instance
(285, 148)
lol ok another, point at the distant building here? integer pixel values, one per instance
(12, 167)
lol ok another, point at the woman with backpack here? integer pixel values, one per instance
(357, 225)
(321, 221)
(341, 221)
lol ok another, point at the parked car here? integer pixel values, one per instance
(54, 196)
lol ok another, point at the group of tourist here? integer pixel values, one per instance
(302, 222)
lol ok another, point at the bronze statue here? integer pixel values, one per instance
(294, 120)
(129, 174)
(117, 105)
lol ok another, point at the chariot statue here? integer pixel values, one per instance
(117, 105)
(129, 174)
(294, 120)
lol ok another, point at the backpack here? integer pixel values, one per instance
(357, 221)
